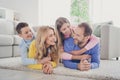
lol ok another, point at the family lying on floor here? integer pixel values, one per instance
(76, 47)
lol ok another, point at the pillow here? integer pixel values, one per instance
(97, 28)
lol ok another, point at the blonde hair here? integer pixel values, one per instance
(41, 46)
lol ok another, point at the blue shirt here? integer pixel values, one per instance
(24, 48)
(69, 46)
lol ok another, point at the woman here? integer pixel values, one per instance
(65, 31)
(45, 49)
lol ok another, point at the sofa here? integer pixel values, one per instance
(9, 40)
(109, 40)
(108, 33)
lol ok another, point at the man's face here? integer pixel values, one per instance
(78, 35)
(26, 33)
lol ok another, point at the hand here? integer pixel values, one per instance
(85, 57)
(44, 60)
(84, 65)
(47, 68)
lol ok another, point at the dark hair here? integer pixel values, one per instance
(20, 26)
(58, 24)
(87, 29)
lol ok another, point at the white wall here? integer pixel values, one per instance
(39, 12)
(50, 10)
(105, 10)
(27, 9)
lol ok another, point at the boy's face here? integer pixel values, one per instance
(26, 33)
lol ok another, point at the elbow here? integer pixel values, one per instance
(94, 65)
(24, 63)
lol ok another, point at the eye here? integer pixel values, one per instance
(26, 32)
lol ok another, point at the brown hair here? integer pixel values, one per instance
(20, 26)
(87, 28)
(58, 24)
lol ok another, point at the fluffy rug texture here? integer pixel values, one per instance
(108, 70)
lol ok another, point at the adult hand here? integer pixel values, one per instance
(47, 68)
(84, 65)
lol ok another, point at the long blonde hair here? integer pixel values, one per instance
(41, 47)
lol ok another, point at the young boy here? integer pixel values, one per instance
(27, 36)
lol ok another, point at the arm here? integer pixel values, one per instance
(70, 64)
(93, 41)
(95, 57)
(40, 66)
(24, 56)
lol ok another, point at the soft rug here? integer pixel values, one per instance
(108, 70)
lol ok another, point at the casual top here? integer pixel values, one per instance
(31, 55)
(73, 64)
(93, 41)
(24, 48)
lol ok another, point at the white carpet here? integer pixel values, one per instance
(109, 70)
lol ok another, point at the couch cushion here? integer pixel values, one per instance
(6, 40)
(108, 70)
(6, 26)
(97, 28)
(15, 23)
(5, 51)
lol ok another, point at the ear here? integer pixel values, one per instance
(20, 35)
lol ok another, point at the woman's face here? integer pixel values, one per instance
(51, 39)
(65, 29)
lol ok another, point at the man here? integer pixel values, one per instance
(91, 58)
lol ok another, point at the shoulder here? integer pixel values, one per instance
(96, 48)
(33, 42)
(68, 40)
(22, 43)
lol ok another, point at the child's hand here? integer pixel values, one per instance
(47, 68)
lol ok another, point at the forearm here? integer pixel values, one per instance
(44, 60)
(70, 64)
(93, 41)
(83, 50)
(66, 56)
(27, 61)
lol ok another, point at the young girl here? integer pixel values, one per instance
(45, 49)
(65, 31)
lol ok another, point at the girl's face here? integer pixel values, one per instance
(65, 29)
(51, 39)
